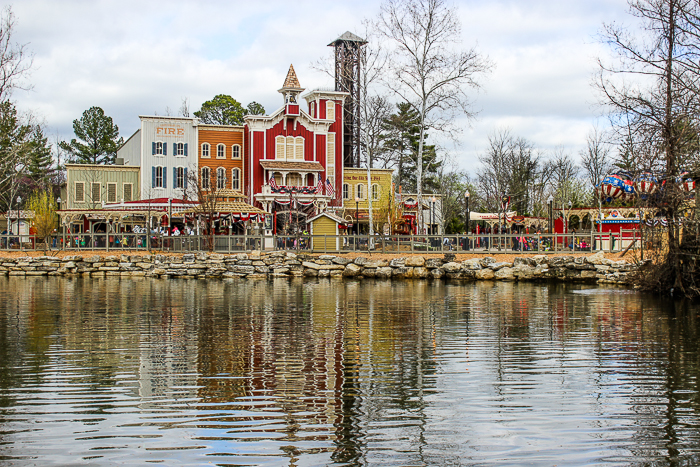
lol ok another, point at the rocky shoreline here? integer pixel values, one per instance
(594, 268)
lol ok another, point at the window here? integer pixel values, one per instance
(235, 179)
(293, 179)
(235, 151)
(299, 148)
(220, 178)
(180, 149)
(128, 196)
(111, 192)
(220, 151)
(206, 178)
(312, 108)
(346, 191)
(205, 150)
(290, 147)
(95, 192)
(330, 110)
(180, 177)
(79, 192)
(375, 192)
(160, 148)
(158, 177)
(361, 191)
(279, 148)
(330, 154)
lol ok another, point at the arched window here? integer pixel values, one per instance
(206, 178)
(159, 148)
(290, 147)
(220, 151)
(279, 148)
(180, 149)
(235, 179)
(346, 191)
(205, 150)
(360, 191)
(375, 192)
(158, 177)
(235, 151)
(220, 178)
(299, 148)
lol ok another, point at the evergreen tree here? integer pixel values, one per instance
(222, 110)
(98, 139)
(40, 164)
(255, 109)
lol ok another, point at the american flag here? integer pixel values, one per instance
(319, 186)
(272, 182)
(329, 189)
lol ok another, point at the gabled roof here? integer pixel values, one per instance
(327, 214)
(348, 37)
(291, 81)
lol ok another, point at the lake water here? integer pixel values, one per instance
(299, 373)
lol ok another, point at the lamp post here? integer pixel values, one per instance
(357, 215)
(466, 219)
(550, 200)
(567, 217)
(432, 215)
(19, 200)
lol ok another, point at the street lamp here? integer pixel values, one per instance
(467, 219)
(567, 218)
(357, 215)
(550, 200)
(19, 200)
(58, 201)
(432, 215)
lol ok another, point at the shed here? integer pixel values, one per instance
(325, 230)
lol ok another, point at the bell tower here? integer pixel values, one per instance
(291, 90)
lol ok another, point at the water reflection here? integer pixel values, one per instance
(352, 373)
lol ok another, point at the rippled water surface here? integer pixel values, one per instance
(287, 373)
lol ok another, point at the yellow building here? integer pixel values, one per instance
(356, 192)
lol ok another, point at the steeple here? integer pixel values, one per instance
(291, 87)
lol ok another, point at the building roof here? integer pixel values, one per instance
(348, 37)
(226, 207)
(226, 193)
(291, 81)
(309, 166)
(331, 216)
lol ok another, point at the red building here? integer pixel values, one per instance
(294, 157)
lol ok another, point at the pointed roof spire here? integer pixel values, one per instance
(291, 81)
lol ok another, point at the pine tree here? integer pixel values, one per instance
(98, 138)
(40, 162)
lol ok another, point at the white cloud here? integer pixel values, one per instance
(135, 58)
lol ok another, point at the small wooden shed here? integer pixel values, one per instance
(325, 230)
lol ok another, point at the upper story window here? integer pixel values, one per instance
(235, 179)
(361, 191)
(206, 178)
(299, 148)
(158, 177)
(111, 192)
(279, 148)
(375, 192)
(206, 147)
(180, 177)
(128, 192)
(289, 148)
(79, 192)
(220, 178)
(159, 148)
(346, 191)
(312, 109)
(180, 149)
(220, 151)
(96, 192)
(235, 151)
(330, 152)
(330, 110)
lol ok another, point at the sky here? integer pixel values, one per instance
(143, 57)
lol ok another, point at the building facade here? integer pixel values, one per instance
(356, 193)
(221, 157)
(92, 186)
(165, 148)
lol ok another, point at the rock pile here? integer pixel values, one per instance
(593, 268)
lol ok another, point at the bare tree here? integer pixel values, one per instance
(15, 59)
(595, 159)
(425, 71)
(653, 86)
(184, 110)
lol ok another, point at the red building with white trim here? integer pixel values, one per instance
(294, 157)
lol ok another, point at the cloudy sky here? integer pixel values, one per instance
(141, 57)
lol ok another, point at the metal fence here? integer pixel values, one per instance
(397, 244)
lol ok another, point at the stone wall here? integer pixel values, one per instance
(594, 268)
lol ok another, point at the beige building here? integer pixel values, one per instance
(93, 186)
(357, 192)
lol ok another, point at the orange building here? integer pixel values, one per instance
(221, 157)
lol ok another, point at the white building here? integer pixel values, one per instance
(166, 149)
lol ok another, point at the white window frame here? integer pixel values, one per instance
(221, 151)
(280, 145)
(81, 199)
(131, 192)
(206, 180)
(206, 151)
(360, 189)
(180, 151)
(180, 181)
(159, 184)
(289, 148)
(98, 198)
(299, 148)
(330, 110)
(346, 191)
(159, 150)
(236, 151)
(109, 200)
(220, 181)
(235, 178)
(376, 191)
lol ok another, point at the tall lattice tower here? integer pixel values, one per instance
(348, 67)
